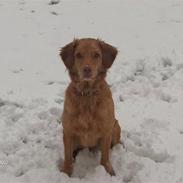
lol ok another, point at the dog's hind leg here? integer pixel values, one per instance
(116, 134)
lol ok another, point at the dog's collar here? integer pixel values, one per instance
(86, 92)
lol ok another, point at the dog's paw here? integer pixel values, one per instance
(67, 169)
(108, 167)
(112, 172)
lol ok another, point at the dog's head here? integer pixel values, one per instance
(88, 58)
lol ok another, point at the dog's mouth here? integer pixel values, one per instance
(88, 78)
(91, 78)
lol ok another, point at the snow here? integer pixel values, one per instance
(146, 81)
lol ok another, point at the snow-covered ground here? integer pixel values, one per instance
(146, 80)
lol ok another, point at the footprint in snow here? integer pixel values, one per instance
(12, 110)
(50, 83)
(166, 61)
(1, 103)
(59, 100)
(16, 117)
(141, 142)
(55, 111)
(54, 13)
(133, 169)
(10, 103)
(43, 115)
(55, 82)
(16, 71)
(53, 2)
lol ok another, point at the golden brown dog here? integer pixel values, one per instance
(88, 117)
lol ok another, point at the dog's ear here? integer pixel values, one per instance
(67, 54)
(108, 54)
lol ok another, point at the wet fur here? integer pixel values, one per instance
(88, 118)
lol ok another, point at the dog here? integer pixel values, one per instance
(88, 117)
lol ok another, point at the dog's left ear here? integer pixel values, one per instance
(108, 54)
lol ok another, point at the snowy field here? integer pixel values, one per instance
(146, 80)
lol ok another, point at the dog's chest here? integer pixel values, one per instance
(87, 113)
(88, 129)
(88, 123)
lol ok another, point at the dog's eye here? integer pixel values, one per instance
(96, 55)
(78, 55)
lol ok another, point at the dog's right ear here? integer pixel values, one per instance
(67, 54)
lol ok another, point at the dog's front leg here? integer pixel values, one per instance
(68, 151)
(105, 147)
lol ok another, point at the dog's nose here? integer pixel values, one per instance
(87, 71)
